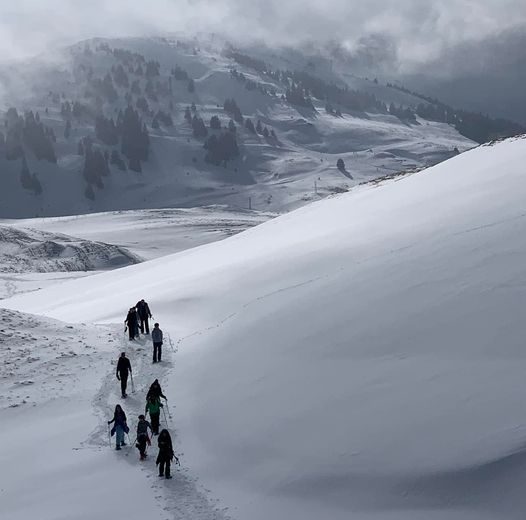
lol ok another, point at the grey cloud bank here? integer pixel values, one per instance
(420, 30)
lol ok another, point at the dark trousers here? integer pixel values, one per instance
(157, 351)
(155, 422)
(124, 382)
(145, 325)
(141, 444)
(132, 330)
(164, 467)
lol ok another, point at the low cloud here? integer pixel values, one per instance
(419, 30)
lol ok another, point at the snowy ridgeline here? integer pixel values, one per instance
(30, 250)
(360, 357)
(114, 125)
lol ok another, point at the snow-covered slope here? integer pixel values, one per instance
(360, 357)
(30, 250)
(151, 233)
(275, 173)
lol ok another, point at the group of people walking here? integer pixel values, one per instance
(138, 318)
(144, 428)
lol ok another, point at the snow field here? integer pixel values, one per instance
(360, 357)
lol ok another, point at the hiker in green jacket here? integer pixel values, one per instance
(153, 406)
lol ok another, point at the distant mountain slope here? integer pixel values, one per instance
(361, 356)
(145, 123)
(28, 250)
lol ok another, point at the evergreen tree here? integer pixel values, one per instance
(199, 128)
(188, 115)
(249, 125)
(106, 131)
(67, 129)
(215, 123)
(117, 161)
(340, 164)
(135, 140)
(191, 86)
(221, 148)
(38, 138)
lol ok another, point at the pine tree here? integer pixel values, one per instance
(215, 123)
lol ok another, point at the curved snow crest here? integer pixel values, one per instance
(31, 250)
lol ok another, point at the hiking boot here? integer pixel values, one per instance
(117, 448)
(161, 474)
(168, 476)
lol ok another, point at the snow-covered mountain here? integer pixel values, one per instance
(206, 124)
(359, 357)
(29, 250)
(35, 253)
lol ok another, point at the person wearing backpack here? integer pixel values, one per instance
(143, 312)
(123, 370)
(153, 406)
(157, 338)
(166, 454)
(142, 436)
(155, 390)
(120, 427)
(131, 324)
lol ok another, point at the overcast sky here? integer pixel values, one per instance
(421, 28)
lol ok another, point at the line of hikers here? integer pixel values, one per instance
(153, 407)
(138, 318)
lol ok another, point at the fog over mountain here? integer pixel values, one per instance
(419, 30)
(487, 76)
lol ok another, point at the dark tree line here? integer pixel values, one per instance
(478, 127)
(30, 132)
(230, 107)
(221, 148)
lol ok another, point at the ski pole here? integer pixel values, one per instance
(164, 413)
(168, 408)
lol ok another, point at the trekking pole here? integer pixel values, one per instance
(133, 386)
(164, 413)
(168, 408)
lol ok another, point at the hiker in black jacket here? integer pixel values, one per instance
(144, 313)
(142, 436)
(131, 323)
(155, 391)
(166, 454)
(123, 370)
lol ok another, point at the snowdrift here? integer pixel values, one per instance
(30, 250)
(362, 356)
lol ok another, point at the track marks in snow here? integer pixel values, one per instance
(182, 496)
(40, 357)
